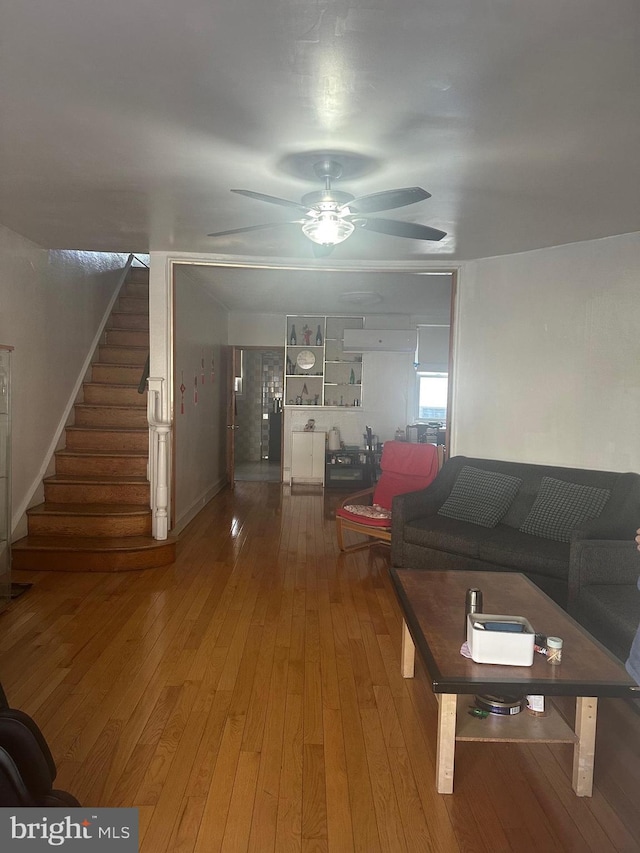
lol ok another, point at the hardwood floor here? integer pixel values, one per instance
(248, 697)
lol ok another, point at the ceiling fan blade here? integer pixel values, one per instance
(401, 229)
(272, 199)
(387, 200)
(252, 228)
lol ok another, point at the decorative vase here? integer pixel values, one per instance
(293, 340)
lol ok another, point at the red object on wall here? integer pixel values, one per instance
(183, 388)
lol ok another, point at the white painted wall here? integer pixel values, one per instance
(547, 356)
(256, 330)
(200, 434)
(51, 306)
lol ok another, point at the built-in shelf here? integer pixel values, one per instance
(316, 365)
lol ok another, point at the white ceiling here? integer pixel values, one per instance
(124, 124)
(427, 298)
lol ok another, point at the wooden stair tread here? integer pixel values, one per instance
(117, 387)
(141, 347)
(91, 428)
(123, 328)
(100, 453)
(120, 363)
(97, 479)
(90, 543)
(88, 509)
(120, 406)
(116, 384)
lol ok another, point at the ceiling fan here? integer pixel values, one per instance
(331, 216)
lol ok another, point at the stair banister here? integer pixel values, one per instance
(159, 448)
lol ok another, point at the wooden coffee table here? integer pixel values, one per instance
(433, 605)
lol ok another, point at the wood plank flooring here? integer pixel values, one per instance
(248, 697)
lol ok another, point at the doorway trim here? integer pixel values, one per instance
(162, 309)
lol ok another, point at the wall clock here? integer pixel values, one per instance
(305, 359)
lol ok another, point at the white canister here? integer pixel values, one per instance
(333, 438)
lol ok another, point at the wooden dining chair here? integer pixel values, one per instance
(405, 467)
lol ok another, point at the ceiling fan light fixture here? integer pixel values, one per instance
(328, 229)
(331, 216)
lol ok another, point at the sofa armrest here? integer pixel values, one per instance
(606, 528)
(601, 561)
(406, 508)
(620, 517)
(421, 504)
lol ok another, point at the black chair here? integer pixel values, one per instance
(27, 768)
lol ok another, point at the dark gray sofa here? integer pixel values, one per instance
(603, 591)
(593, 575)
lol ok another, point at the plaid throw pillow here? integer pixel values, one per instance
(481, 497)
(560, 507)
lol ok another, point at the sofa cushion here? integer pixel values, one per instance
(560, 507)
(481, 497)
(446, 534)
(370, 516)
(522, 552)
(368, 511)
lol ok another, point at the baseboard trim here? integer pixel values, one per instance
(198, 504)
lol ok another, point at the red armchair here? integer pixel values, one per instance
(405, 468)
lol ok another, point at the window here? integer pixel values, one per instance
(432, 396)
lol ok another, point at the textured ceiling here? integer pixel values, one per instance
(123, 125)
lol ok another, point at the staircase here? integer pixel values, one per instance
(96, 515)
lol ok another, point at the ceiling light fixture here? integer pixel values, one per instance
(328, 228)
(331, 216)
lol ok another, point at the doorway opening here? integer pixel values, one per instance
(259, 413)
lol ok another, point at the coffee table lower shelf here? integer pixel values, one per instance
(522, 727)
(454, 724)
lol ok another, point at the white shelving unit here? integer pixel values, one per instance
(318, 371)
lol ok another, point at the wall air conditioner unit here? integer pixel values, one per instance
(380, 340)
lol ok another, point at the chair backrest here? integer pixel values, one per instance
(27, 768)
(406, 467)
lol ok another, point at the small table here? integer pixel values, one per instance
(433, 605)
(348, 468)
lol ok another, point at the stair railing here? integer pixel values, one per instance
(159, 458)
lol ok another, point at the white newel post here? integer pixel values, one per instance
(159, 449)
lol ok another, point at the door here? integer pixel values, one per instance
(259, 375)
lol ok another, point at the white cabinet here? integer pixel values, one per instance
(307, 457)
(5, 475)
